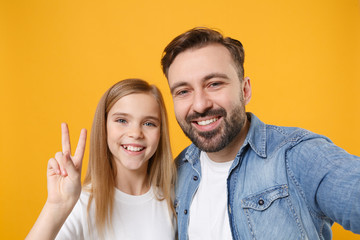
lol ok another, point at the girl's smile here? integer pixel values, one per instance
(133, 127)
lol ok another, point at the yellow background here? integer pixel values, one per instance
(57, 57)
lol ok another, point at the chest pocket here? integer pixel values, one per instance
(263, 200)
(271, 215)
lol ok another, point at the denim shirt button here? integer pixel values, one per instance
(185, 211)
(195, 178)
(261, 202)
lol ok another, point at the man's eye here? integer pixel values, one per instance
(215, 84)
(181, 92)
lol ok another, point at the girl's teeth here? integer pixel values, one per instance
(133, 149)
(207, 122)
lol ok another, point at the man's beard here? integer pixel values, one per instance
(216, 139)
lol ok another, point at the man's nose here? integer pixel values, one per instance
(201, 102)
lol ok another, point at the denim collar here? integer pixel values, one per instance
(256, 138)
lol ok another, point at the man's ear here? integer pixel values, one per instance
(246, 88)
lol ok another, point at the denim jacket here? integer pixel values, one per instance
(285, 183)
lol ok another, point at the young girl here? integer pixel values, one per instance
(128, 186)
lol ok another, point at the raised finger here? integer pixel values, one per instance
(80, 149)
(71, 169)
(65, 138)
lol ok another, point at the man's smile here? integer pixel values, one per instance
(207, 122)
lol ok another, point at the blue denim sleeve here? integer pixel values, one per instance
(329, 180)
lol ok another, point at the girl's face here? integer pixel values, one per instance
(133, 131)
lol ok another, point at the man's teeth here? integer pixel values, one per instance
(133, 149)
(207, 122)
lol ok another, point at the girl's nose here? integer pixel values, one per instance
(135, 132)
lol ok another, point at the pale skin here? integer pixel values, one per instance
(206, 78)
(64, 187)
(133, 126)
(133, 121)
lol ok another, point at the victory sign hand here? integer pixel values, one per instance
(64, 172)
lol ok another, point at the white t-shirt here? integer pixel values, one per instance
(134, 218)
(208, 211)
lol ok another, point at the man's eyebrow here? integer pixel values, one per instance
(176, 85)
(215, 75)
(207, 77)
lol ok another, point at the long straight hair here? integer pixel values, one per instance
(101, 172)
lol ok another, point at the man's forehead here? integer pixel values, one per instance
(199, 63)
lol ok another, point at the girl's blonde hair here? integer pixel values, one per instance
(101, 172)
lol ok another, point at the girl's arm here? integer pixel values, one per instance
(64, 188)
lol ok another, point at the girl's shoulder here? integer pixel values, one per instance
(85, 195)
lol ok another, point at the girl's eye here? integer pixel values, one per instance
(149, 124)
(120, 120)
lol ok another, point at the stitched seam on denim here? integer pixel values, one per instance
(312, 211)
(299, 189)
(276, 196)
(182, 207)
(321, 228)
(192, 197)
(293, 140)
(278, 129)
(255, 149)
(235, 178)
(249, 224)
(297, 220)
(261, 128)
(254, 146)
(271, 200)
(239, 157)
(269, 190)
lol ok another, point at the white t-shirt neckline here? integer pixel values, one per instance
(208, 211)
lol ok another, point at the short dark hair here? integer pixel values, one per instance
(200, 37)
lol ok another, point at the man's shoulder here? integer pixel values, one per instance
(266, 138)
(282, 133)
(279, 136)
